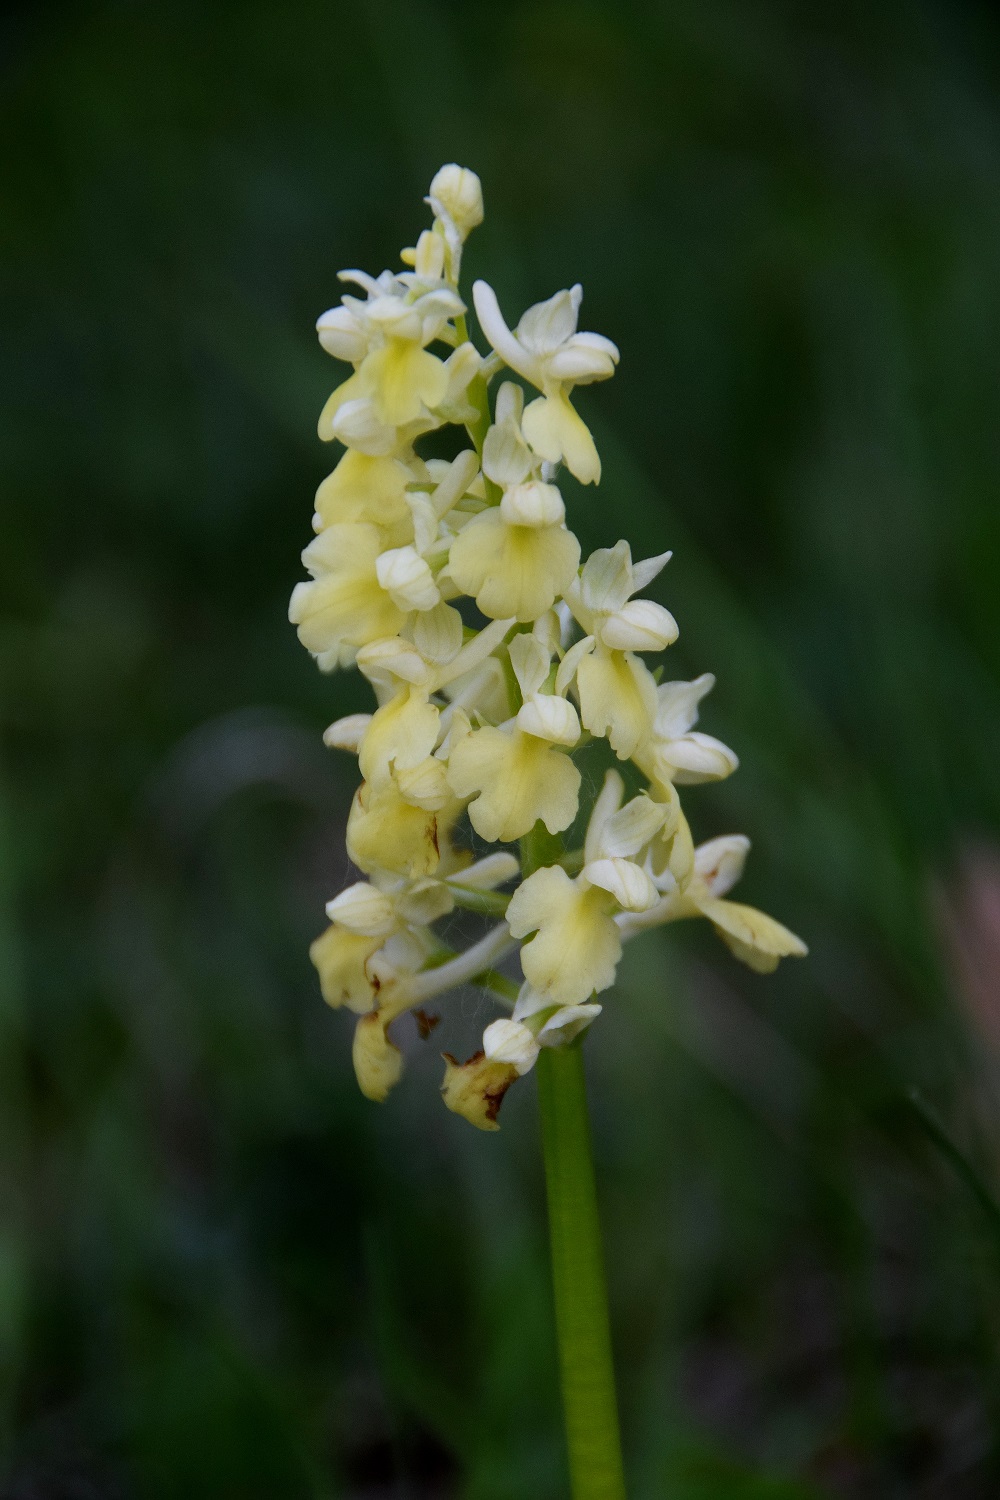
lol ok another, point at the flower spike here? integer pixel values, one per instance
(475, 726)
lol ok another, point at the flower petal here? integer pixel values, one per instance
(499, 335)
(489, 872)
(386, 832)
(378, 1062)
(347, 733)
(640, 625)
(677, 705)
(344, 608)
(402, 734)
(631, 827)
(617, 698)
(752, 936)
(364, 488)
(551, 718)
(719, 862)
(695, 758)
(340, 958)
(362, 908)
(508, 1041)
(475, 1089)
(566, 1024)
(514, 571)
(576, 946)
(518, 779)
(548, 324)
(626, 882)
(558, 433)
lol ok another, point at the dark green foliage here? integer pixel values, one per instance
(222, 1272)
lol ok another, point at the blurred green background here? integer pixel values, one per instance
(223, 1272)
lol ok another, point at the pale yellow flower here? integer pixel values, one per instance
(399, 388)
(617, 690)
(515, 773)
(487, 721)
(515, 779)
(364, 488)
(401, 380)
(547, 350)
(397, 742)
(384, 831)
(517, 558)
(345, 606)
(576, 944)
(676, 752)
(340, 958)
(752, 936)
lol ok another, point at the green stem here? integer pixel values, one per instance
(489, 903)
(582, 1323)
(504, 988)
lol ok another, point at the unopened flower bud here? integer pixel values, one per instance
(457, 194)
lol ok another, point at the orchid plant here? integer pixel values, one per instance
(456, 587)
